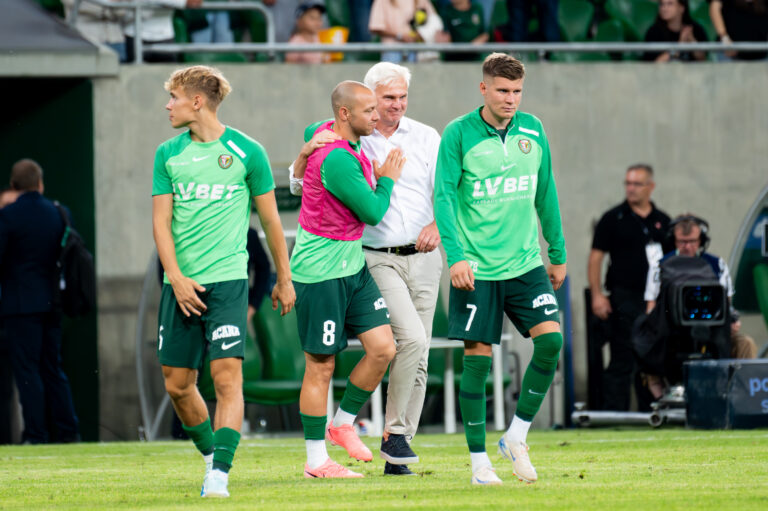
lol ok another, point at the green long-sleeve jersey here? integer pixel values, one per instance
(315, 258)
(488, 193)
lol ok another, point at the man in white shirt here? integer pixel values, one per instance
(401, 254)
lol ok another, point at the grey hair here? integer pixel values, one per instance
(384, 73)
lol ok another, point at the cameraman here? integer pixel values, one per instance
(690, 235)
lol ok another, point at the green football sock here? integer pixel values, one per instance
(201, 435)
(472, 400)
(354, 398)
(539, 374)
(225, 442)
(314, 426)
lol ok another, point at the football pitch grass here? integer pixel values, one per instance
(579, 469)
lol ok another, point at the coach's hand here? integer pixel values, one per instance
(462, 276)
(285, 294)
(556, 274)
(185, 290)
(429, 238)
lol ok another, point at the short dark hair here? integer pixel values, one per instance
(641, 166)
(26, 175)
(503, 65)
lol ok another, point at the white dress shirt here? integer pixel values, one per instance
(410, 206)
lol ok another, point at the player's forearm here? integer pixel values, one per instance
(348, 184)
(371, 208)
(445, 219)
(548, 210)
(273, 229)
(278, 249)
(166, 248)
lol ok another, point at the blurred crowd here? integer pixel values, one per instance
(432, 21)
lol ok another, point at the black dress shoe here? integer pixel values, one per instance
(396, 470)
(396, 450)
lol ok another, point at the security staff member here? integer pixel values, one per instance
(632, 234)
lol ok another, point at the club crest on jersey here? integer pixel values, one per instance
(225, 161)
(525, 145)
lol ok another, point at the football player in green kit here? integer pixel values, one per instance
(494, 181)
(202, 187)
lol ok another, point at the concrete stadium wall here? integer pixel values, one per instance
(700, 125)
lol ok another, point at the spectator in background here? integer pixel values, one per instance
(394, 21)
(156, 27)
(100, 24)
(309, 22)
(487, 5)
(464, 23)
(740, 20)
(215, 27)
(631, 234)
(30, 236)
(519, 12)
(674, 24)
(7, 399)
(359, 15)
(283, 16)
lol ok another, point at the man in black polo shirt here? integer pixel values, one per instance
(632, 234)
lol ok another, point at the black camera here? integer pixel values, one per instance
(699, 303)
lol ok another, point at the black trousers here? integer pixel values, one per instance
(34, 342)
(618, 377)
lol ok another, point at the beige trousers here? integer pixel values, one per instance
(409, 285)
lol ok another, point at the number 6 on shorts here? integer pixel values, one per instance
(473, 308)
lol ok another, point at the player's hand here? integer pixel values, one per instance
(318, 140)
(601, 306)
(556, 274)
(284, 293)
(185, 290)
(392, 166)
(462, 276)
(429, 238)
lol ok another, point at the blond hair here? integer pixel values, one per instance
(204, 79)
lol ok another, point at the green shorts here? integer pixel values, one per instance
(477, 315)
(182, 340)
(330, 310)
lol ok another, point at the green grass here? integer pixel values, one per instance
(627, 468)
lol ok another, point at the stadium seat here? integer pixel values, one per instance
(575, 19)
(636, 16)
(609, 31)
(337, 12)
(278, 338)
(700, 14)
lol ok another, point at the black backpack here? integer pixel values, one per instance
(77, 275)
